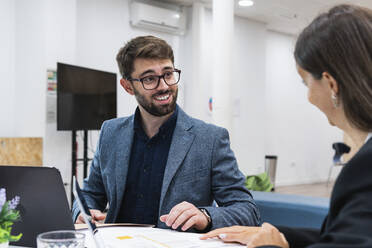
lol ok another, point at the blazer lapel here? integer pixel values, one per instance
(125, 139)
(181, 143)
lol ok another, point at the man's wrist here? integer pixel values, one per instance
(208, 217)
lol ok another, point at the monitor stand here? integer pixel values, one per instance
(75, 159)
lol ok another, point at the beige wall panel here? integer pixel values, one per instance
(21, 151)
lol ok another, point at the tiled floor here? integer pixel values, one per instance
(317, 189)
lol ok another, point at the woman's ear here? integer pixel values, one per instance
(331, 82)
(127, 85)
(332, 86)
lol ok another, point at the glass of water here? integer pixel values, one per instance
(60, 239)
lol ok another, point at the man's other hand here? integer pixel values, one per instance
(186, 215)
(97, 216)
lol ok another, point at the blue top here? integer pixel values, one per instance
(146, 171)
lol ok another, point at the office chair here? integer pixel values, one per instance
(340, 149)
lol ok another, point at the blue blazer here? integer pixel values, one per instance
(201, 168)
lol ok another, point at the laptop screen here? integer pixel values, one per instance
(43, 202)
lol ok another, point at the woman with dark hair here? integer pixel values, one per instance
(334, 59)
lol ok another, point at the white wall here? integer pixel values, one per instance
(7, 66)
(248, 91)
(247, 84)
(295, 130)
(60, 21)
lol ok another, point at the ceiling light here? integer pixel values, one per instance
(246, 3)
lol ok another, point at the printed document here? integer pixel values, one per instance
(147, 237)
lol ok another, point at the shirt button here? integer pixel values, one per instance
(141, 195)
(144, 170)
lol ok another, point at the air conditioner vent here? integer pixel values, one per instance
(156, 18)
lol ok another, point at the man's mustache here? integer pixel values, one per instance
(162, 93)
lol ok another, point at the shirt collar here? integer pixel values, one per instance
(137, 120)
(164, 129)
(368, 137)
(170, 123)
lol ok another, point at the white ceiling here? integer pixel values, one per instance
(286, 16)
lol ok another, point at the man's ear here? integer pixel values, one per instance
(127, 85)
(331, 82)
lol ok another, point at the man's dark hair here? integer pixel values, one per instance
(340, 42)
(146, 47)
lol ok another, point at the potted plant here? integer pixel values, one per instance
(8, 214)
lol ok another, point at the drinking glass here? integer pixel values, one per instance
(60, 239)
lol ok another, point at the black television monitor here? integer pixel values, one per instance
(85, 97)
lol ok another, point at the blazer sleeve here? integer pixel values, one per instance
(300, 237)
(353, 225)
(351, 228)
(93, 188)
(235, 203)
(349, 222)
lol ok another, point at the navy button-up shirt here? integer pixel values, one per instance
(145, 173)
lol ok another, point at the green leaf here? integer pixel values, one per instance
(3, 240)
(4, 235)
(13, 238)
(7, 217)
(260, 182)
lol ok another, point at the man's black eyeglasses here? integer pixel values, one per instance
(152, 82)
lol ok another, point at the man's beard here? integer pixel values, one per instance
(161, 110)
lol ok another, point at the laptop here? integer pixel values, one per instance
(43, 202)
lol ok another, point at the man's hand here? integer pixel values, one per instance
(97, 216)
(186, 215)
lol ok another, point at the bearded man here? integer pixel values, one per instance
(160, 166)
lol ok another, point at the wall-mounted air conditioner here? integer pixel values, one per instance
(144, 15)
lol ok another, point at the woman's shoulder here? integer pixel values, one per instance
(363, 158)
(355, 177)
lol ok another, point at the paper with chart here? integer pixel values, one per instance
(147, 237)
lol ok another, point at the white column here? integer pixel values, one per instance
(223, 30)
(30, 76)
(197, 87)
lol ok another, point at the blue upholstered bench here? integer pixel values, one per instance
(291, 210)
